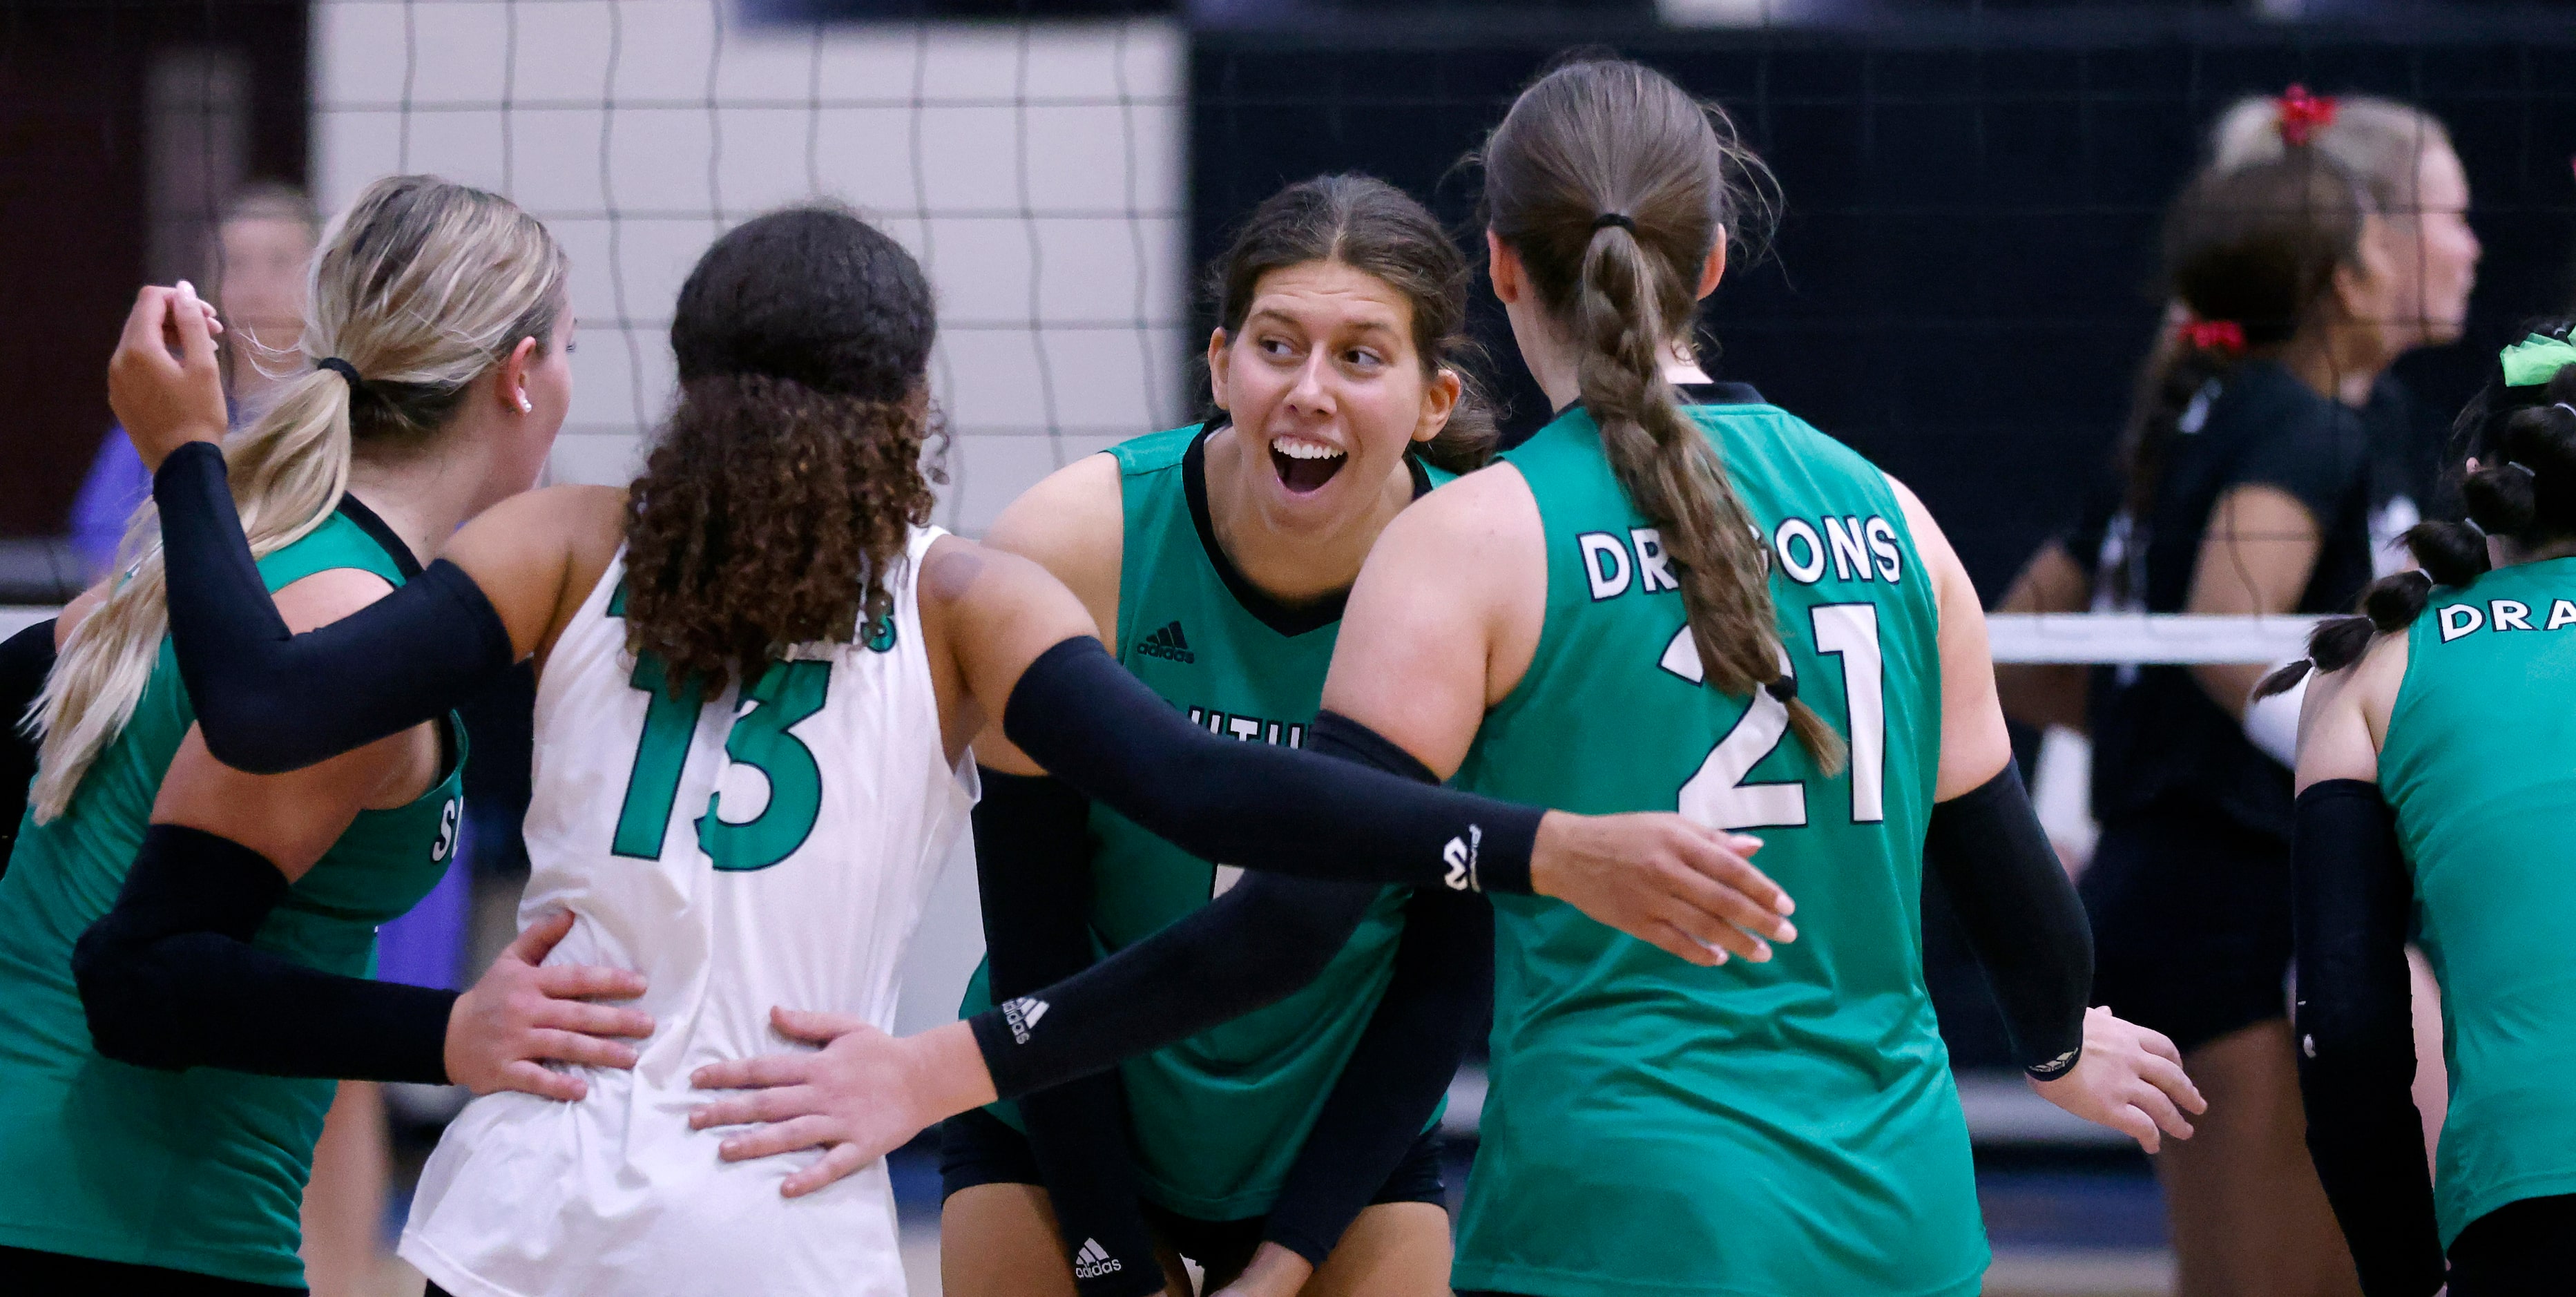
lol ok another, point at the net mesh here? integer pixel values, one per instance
(1033, 167)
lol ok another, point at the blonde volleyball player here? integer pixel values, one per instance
(758, 675)
(184, 944)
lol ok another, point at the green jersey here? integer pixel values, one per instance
(1783, 1129)
(2480, 764)
(1218, 1119)
(201, 1170)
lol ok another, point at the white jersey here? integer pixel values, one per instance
(744, 854)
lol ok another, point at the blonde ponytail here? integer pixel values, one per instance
(421, 286)
(1613, 187)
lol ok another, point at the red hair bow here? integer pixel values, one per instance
(2303, 115)
(2215, 335)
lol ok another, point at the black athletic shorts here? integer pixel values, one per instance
(25, 1272)
(979, 1148)
(2521, 1249)
(2191, 922)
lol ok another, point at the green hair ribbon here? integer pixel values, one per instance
(2536, 359)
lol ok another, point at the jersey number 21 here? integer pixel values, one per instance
(1719, 794)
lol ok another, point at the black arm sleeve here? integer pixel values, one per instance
(269, 701)
(1262, 941)
(1078, 713)
(170, 980)
(1396, 1075)
(1033, 872)
(2021, 915)
(25, 659)
(2356, 1055)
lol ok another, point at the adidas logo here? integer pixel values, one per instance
(1093, 1261)
(1022, 1014)
(1168, 644)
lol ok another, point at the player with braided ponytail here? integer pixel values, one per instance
(2435, 776)
(1639, 607)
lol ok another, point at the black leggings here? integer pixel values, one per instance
(2521, 1249)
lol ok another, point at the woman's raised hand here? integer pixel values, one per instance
(2129, 1079)
(1663, 879)
(164, 382)
(522, 1015)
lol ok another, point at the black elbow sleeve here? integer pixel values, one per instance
(1261, 942)
(133, 968)
(2021, 915)
(26, 658)
(169, 979)
(1079, 714)
(2352, 899)
(269, 701)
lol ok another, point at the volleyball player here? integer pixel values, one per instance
(1596, 616)
(1215, 559)
(775, 543)
(2436, 771)
(183, 945)
(2244, 486)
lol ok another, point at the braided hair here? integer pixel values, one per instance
(2524, 490)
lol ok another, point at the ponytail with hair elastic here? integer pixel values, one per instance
(1670, 471)
(422, 285)
(1614, 186)
(2523, 491)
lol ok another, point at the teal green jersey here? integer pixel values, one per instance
(2480, 764)
(1218, 1119)
(201, 1170)
(1783, 1129)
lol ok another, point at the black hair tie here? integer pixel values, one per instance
(345, 370)
(1607, 219)
(1785, 689)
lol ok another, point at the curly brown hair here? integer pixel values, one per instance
(779, 500)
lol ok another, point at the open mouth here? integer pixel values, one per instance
(1304, 466)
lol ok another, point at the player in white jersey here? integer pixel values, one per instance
(798, 888)
(758, 677)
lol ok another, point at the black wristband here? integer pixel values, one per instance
(269, 701)
(1082, 716)
(2021, 915)
(2352, 900)
(169, 979)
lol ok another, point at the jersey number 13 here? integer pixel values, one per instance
(785, 693)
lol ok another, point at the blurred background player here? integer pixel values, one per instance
(263, 252)
(1215, 559)
(2435, 781)
(2265, 444)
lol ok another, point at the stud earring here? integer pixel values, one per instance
(524, 406)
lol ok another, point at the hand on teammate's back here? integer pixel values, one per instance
(863, 1095)
(520, 1016)
(164, 382)
(2129, 1079)
(1663, 879)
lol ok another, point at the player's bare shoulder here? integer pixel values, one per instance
(2344, 718)
(1073, 523)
